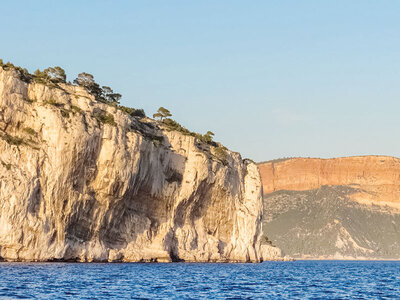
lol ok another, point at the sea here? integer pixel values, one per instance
(268, 280)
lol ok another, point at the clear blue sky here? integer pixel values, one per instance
(269, 78)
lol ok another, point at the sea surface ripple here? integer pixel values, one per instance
(269, 280)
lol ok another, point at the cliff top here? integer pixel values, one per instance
(354, 157)
(103, 104)
(376, 178)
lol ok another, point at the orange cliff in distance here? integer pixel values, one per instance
(376, 178)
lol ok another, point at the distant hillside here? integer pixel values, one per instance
(333, 208)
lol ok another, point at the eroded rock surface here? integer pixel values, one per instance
(77, 184)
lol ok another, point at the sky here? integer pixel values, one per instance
(271, 79)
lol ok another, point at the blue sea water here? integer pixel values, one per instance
(269, 280)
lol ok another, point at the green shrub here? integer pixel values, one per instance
(53, 103)
(50, 76)
(104, 117)
(109, 95)
(132, 111)
(157, 140)
(13, 140)
(139, 113)
(173, 125)
(76, 109)
(29, 100)
(17, 141)
(64, 113)
(8, 66)
(23, 74)
(7, 166)
(126, 109)
(29, 131)
(220, 153)
(87, 81)
(208, 137)
(40, 77)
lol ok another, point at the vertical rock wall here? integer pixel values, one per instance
(77, 184)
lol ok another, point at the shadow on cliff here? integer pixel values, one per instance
(207, 202)
(138, 207)
(147, 201)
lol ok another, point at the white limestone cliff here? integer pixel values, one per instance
(75, 187)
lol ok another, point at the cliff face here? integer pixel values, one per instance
(377, 178)
(333, 208)
(82, 180)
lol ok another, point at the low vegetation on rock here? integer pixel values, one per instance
(55, 77)
(13, 140)
(277, 160)
(29, 131)
(163, 116)
(220, 153)
(132, 111)
(23, 73)
(6, 165)
(104, 117)
(76, 109)
(50, 76)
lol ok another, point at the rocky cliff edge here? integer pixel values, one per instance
(81, 180)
